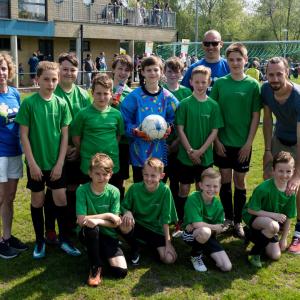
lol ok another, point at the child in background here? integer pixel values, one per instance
(148, 99)
(97, 128)
(148, 209)
(122, 68)
(173, 71)
(198, 119)
(44, 119)
(98, 208)
(269, 211)
(203, 220)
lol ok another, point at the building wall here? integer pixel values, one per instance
(94, 31)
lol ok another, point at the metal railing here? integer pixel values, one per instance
(77, 11)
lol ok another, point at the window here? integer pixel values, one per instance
(4, 9)
(32, 9)
(5, 44)
(86, 46)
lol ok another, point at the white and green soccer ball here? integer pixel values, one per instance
(155, 126)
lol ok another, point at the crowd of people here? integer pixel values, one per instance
(80, 147)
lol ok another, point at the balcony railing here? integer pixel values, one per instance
(77, 11)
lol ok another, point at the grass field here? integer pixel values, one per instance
(59, 276)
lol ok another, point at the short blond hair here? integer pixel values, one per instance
(46, 66)
(155, 163)
(104, 80)
(103, 161)
(201, 70)
(210, 173)
(4, 56)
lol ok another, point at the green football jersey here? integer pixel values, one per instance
(45, 119)
(267, 197)
(150, 209)
(88, 203)
(238, 100)
(198, 119)
(98, 131)
(196, 210)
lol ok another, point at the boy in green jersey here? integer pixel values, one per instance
(98, 208)
(44, 119)
(239, 98)
(270, 210)
(203, 219)
(148, 209)
(198, 119)
(173, 71)
(122, 68)
(76, 98)
(97, 128)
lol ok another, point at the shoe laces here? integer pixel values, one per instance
(199, 260)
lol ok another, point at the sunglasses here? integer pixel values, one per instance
(214, 44)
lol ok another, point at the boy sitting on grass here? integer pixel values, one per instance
(269, 211)
(98, 208)
(44, 119)
(148, 209)
(203, 220)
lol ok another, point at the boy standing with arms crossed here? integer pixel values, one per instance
(198, 119)
(148, 210)
(270, 210)
(239, 98)
(44, 163)
(148, 99)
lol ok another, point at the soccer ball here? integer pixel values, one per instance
(155, 126)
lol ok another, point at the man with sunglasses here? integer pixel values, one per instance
(211, 45)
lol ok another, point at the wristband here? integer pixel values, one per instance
(191, 150)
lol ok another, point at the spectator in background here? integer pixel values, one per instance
(33, 63)
(101, 65)
(21, 74)
(253, 71)
(211, 44)
(89, 67)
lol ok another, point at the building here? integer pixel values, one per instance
(82, 26)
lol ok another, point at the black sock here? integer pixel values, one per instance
(71, 209)
(179, 204)
(92, 242)
(297, 226)
(260, 242)
(239, 200)
(37, 217)
(49, 211)
(226, 198)
(62, 215)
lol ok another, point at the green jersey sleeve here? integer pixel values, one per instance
(81, 202)
(77, 126)
(168, 213)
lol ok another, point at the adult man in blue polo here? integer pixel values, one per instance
(211, 44)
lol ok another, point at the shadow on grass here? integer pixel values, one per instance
(160, 278)
(47, 278)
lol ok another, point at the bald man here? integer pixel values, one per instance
(211, 44)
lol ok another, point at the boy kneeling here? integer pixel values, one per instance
(203, 219)
(148, 209)
(269, 210)
(98, 207)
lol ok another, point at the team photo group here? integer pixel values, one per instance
(174, 130)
